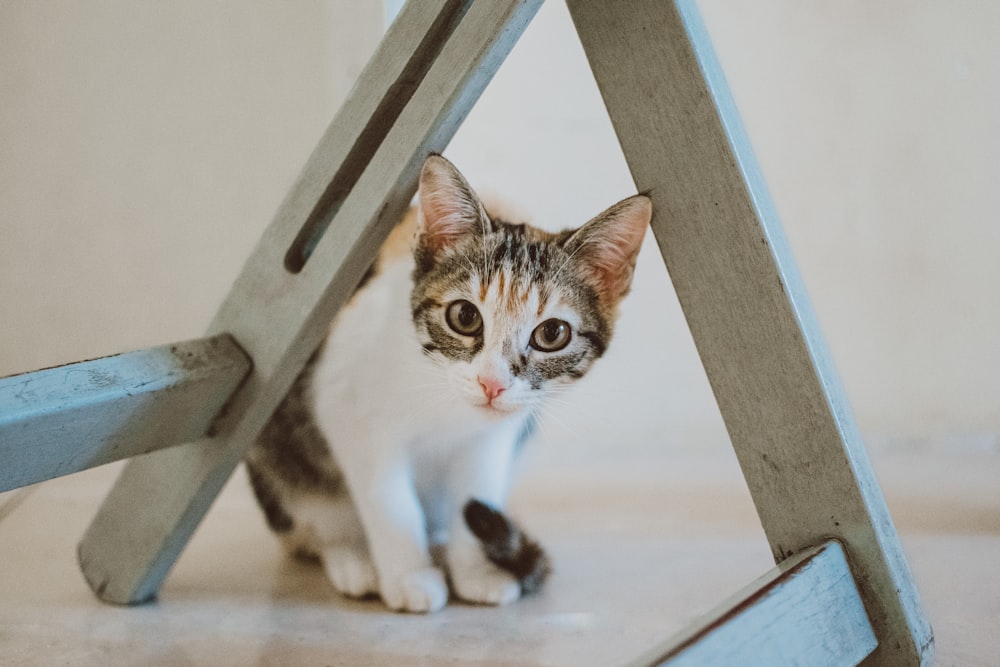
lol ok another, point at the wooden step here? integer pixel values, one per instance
(70, 418)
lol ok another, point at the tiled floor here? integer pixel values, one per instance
(642, 543)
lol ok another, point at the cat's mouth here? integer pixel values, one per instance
(498, 410)
(493, 408)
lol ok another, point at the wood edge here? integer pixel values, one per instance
(741, 601)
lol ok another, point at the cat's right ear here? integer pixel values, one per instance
(448, 209)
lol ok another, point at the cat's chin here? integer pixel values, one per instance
(495, 412)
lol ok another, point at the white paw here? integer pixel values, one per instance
(350, 571)
(419, 591)
(475, 579)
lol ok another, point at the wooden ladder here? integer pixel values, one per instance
(841, 592)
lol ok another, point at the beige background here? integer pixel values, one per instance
(143, 148)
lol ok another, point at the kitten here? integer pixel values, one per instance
(400, 434)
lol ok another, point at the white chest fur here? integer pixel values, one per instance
(383, 405)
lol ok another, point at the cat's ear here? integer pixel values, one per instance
(448, 209)
(606, 247)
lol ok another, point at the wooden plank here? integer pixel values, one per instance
(70, 418)
(787, 416)
(806, 611)
(279, 313)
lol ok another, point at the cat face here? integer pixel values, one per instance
(509, 311)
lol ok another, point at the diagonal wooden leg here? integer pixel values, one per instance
(782, 403)
(431, 67)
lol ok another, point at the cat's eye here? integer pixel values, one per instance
(551, 336)
(464, 318)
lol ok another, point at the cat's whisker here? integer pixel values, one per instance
(551, 415)
(439, 383)
(556, 401)
(425, 401)
(555, 431)
(558, 395)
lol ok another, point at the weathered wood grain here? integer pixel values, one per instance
(279, 310)
(806, 611)
(63, 420)
(787, 416)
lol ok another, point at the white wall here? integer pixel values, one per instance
(877, 126)
(143, 147)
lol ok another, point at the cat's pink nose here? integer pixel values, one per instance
(491, 387)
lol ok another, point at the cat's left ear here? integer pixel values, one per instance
(607, 246)
(448, 208)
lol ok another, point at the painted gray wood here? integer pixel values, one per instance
(786, 414)
(806, 611)
(279, 309)
(70, 418)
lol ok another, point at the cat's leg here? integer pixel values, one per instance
(350, 569)
(396, 535)
(482, 471)
(326, 526)
(344, 551)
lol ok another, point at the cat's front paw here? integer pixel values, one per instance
(418, 591)
(475, 579)
(351, 571)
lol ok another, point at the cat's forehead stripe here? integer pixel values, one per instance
(518, 263)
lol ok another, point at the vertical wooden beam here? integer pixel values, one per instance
(436, 58)
(744, 301)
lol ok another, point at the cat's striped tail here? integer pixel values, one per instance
(507, 546)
